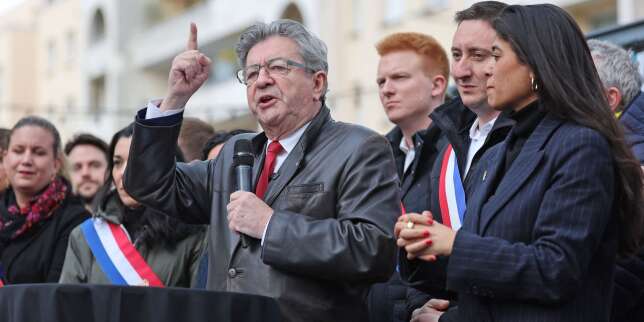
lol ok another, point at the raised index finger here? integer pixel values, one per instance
(192, 40)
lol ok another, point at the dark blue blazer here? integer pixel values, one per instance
(539, 240)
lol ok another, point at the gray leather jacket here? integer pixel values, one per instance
(335, 200)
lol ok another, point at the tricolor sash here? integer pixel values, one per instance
(1, 275)
(116, 255)
(451, 194)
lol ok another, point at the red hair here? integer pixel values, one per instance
(426, 46)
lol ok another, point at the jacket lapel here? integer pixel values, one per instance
(487, 178)
(286, 172)
(291, 166)
(295, 160)
(521, 169)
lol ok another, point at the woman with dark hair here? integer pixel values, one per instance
(38, 210)
(556, 201)
(159, 250)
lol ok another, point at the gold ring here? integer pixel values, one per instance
(410, 224)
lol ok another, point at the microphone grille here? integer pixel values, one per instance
(243, 153)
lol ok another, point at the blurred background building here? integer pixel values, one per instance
(88, 65)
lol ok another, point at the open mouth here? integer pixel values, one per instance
(267, 100)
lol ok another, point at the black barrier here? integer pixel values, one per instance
(107, 303)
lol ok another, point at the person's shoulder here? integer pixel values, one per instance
(570, 132)
(349, 132)
(572, 137)
(72, 212)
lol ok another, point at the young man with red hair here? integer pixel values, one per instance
(412, 80)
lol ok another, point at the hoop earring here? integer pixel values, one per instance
(533, 84)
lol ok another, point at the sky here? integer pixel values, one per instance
(8, 4)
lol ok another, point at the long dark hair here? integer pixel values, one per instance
(570, 88)
(161, 229)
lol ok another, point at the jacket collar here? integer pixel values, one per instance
(308, 137)
(295, 160)
(110, 208)
(634, 112)
(453, 118)
(500, 130)
(513, 178)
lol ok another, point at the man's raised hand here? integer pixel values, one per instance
(188, 72)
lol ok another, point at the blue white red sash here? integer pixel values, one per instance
(451, 194)
(116, 255)
(1, 275)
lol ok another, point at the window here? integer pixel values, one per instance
(225, 65)
(394, 10)
(97, 32)
(357, 17)
(71, 48)
(70, 103)
(51, 57)
(432, 6)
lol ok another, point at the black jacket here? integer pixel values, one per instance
(632, 120)
(415, 185)
(393, 300)
(455, 121)
(335, 202)
(628, 295)
(628, 290)
(37, 256)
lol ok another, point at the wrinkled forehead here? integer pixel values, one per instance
(473, 34)
(271, 48)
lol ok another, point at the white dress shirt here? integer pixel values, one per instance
(478, 134)
(410, 153)
(153, 111)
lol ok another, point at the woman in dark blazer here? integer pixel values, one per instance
(37, 211)
(556, 201)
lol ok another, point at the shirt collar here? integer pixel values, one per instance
(403, 146)
(289, 142)
(477, 131)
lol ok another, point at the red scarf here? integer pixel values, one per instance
(15, 221)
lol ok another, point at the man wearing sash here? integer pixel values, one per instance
(470, 127)
(412, 80)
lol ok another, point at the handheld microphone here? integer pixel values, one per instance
(243, 160)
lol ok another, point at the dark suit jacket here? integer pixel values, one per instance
(335, 202)
(632, 120)
(394, 301)
(455, 121)
(540, 245)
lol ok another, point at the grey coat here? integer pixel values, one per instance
(175, 266)
(335, 202)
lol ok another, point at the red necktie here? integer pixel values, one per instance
(269, 165)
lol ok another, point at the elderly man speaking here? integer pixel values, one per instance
(320, 221)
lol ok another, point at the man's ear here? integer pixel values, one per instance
(439, 85)
(614, 97)
(319, 85)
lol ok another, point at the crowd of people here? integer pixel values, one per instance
(520, 199)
